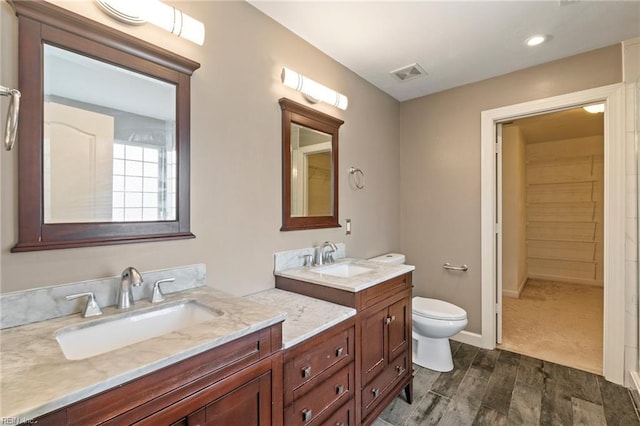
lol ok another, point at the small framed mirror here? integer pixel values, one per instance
(309, 168)
(103, 136)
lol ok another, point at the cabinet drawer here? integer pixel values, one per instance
(381, 385)
(312, 407)
(387, 289)
(336, 350)
(343, 416)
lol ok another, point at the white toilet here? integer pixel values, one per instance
(434, 321)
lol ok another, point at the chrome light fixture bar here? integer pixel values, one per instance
(138, 12)
(312, 90)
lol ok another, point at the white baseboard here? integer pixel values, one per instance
(635, 378)
(522, 284)
(511, 293)
(515, 294)
(594, 283)
(468, 338)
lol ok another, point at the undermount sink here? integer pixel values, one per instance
(107, 334)
(345, 270)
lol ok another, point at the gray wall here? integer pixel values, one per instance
(235, 160)
(440, 168)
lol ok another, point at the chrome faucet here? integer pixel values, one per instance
(326, 257)
(130, 278)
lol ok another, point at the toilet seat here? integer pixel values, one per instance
(437, 309)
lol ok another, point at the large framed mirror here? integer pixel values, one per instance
(309, 168)
(103, 137)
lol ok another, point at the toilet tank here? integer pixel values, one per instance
(392, 258)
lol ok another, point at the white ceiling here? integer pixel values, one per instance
(455, 42)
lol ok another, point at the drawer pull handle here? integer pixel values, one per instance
(339, 352)
(375, 392)
(400, 369)
(339, 389)
(306, 372)
(307, 415)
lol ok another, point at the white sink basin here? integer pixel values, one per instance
(345, 270)
(105, 335)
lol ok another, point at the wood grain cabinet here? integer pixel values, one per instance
(319, 378)
(382, 336)
(228, 385)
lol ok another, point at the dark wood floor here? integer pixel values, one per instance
(503, 388)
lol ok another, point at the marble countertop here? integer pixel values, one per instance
(379, 272)
(306, 316)
(36, 378)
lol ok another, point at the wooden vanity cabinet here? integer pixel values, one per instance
(383, 339)
(319, 378)
(231, 384)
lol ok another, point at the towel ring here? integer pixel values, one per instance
(358, 177)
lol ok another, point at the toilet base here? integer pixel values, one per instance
(434, 354)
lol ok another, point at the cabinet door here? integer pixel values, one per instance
(374, 354)
(399, 319)
(248, 405)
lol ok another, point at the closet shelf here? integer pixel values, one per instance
(563, 182)
(562, 240)
(564, 259)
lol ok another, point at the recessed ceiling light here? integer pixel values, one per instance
(536, 40)
(594, 109)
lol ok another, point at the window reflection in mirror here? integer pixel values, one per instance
(311, 177)
(109, 151)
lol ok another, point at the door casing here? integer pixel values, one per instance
(614, 214)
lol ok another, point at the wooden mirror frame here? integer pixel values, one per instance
(293, 112)
(41, 22)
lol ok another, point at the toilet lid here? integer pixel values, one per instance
(437, 309)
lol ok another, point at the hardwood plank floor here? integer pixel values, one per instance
(504, 388)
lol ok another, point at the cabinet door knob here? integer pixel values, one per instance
(307, 415)
(306, 372)
(339, 424)
(393, 318)
(400, 369)
(339, 352)
(339, 389)
(387, 320)
(375, 392)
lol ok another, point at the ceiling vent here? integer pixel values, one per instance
(409, 72)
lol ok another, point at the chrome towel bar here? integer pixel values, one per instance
(463, 268)
(12, 116)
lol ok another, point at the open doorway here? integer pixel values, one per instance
(612, 96)
(552, 195)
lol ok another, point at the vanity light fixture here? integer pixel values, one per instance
(536, 40)
(312, 90)
(594, 109)
(167, 17)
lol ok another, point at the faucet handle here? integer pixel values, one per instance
(91, 309)
(308, 259)
(156, 294)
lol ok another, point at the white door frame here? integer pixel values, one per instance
(614, 214)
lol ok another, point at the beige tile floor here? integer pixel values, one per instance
(556, 322)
